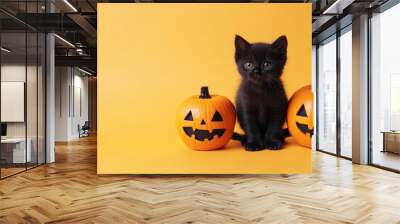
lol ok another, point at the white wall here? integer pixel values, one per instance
(71, 102)
(62, 81)
(9, 73)
(81, 98)
(12, 73)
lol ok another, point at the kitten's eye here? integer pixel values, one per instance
(267, 64)
(248, 65)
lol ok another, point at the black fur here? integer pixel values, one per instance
(261, 101)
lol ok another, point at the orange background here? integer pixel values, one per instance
(151, 57)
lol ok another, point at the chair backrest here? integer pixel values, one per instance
(86, 124)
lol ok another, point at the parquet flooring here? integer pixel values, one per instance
(70, 191)
(10, 171)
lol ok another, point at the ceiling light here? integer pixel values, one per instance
(338, 6)
(65, 41)
(79, 51)
(70, 5)
(5, 50)
(84, 71)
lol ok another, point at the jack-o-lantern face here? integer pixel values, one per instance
(304, 121)
(300, 116)
(206, 122)
(202, 134)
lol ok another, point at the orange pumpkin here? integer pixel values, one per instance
(300, 119)
(206, 122)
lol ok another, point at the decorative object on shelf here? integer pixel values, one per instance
(206, 122)
(300, 116)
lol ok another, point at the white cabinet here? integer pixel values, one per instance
(19, 155)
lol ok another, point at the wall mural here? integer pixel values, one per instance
(204, 88)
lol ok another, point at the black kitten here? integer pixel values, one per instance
(261, 100)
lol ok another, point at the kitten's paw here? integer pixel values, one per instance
(253, 146)
(273, 144)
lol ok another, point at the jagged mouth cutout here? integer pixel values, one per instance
(202, 134)
(304, 128)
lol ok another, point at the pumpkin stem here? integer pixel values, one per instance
(204, 94)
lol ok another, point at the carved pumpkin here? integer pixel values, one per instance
(206, 122)
(300, 119)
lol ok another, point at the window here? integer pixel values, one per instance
(346, 92)
(334, 62)
(385, 89)
(327, 95)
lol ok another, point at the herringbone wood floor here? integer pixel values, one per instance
(69, 191)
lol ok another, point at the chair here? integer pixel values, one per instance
(84, 130)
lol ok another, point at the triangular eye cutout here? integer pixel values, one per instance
(189, 116)
(302, 111)
(217, 117)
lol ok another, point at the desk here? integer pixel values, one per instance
(391, 141)
(17, 150)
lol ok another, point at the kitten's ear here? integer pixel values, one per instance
(280, 44)
(241, 43)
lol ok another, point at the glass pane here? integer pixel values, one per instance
(31, 87)
(385, 84)
(41, 98)
(22, 90)
(13, 88)
(327, 96)
(346, 94)
(32, 95)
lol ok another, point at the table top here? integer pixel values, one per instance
(13, 140)
(391, 132)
